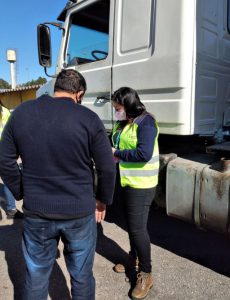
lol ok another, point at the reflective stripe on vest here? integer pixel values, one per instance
(151, 161)
(138, 174)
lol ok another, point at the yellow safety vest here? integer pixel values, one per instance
(5, 116)
(137, 174)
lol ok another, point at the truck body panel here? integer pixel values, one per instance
(176, 57)
(176, 54)
(212, 67)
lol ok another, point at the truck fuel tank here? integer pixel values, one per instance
(199, 193)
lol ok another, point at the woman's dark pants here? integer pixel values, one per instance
(137, 204)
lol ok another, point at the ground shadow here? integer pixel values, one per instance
(10, 243)
(206, 248)
(109, 248)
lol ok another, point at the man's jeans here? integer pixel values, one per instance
(40, 241)
(9, 198)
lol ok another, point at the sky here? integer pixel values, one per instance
(18, 31)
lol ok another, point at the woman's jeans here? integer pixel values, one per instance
(137, 204)
(39, 244)
(9, 198)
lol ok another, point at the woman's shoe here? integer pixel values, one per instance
(143, 285)
(131, 264)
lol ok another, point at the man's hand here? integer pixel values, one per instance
(100, 211)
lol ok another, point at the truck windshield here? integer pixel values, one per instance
(88, 34)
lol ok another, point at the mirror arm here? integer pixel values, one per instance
(56, 24)
(52, 76)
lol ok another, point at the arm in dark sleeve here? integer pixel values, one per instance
(9, 170)
(146, 134)
(104, 163)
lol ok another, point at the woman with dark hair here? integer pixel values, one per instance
(135, 148)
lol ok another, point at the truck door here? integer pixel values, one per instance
(134, 44)
(88, 49)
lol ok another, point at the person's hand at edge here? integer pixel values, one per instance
(100, 211)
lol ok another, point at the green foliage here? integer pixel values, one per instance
(4, 84)
(40, 80)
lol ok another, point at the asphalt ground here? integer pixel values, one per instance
(188, 263)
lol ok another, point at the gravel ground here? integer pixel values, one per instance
(187, 263)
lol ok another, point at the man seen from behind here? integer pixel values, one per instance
(57, 140)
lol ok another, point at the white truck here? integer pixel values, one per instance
(176, 54)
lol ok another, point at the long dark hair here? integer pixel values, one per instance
(129, 98)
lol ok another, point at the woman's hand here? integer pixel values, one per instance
(113, 149)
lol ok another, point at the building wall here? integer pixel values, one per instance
(12, 99)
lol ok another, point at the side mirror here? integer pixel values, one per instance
(44, 46)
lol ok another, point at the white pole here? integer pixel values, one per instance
(13, 79)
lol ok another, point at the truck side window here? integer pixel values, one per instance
(89, 34)
(228, 20)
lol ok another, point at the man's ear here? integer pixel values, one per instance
(79, 96)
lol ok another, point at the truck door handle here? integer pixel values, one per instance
(102, 100)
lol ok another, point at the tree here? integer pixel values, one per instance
(40, 80)
(4, 84)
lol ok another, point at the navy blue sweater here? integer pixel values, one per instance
(56, 140)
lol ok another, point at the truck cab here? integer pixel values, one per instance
(176, 54)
